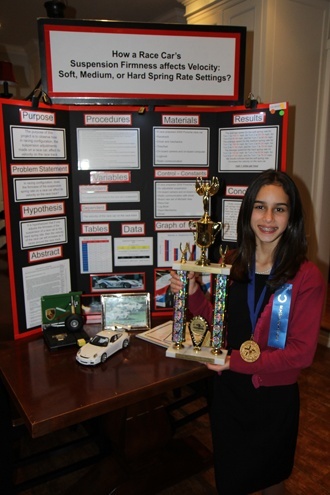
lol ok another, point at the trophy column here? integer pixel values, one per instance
(219, 312)
(179, 312)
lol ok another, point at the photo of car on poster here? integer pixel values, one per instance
(115, 281)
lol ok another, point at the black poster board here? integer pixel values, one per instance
(99, 198)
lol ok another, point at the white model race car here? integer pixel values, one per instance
(102, 346)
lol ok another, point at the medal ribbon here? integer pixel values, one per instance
(254, 309)
(280, 317)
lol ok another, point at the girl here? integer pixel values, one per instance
(274, 309)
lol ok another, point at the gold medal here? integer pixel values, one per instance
(249, 351)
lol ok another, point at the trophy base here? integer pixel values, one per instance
(205, 355)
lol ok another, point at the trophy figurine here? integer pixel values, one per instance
(206, 230)
(206, 342)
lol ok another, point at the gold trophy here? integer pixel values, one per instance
(206, 230)
(205, 347)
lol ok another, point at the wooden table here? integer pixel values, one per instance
(51, 391)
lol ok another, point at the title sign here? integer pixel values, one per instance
(93, 60)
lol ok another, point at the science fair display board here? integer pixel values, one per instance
(98, 199)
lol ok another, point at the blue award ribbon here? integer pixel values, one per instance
(280, 317)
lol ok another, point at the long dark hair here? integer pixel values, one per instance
(291, 249)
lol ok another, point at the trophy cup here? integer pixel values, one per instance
(206, 230)
(203, 349)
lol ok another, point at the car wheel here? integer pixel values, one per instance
(125, 343)
(102, 285)
(104, 357)
(74, 322)
(126, 285)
